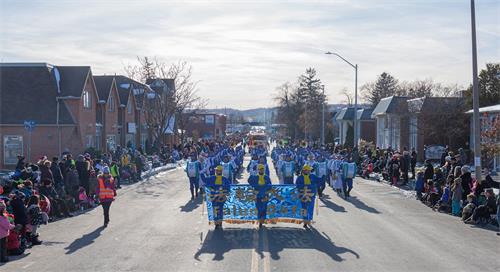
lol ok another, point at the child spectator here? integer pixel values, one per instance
(456, 190)
(84, 201)
(35, 219)
(469, 208)
(482, 212)
(443, 204)
(27, 188)
(419, 184)
(5, 228)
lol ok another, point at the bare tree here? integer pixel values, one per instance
(348, 97)
(167, 104)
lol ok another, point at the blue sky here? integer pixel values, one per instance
(242, 50)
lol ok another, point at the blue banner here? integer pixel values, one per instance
(241, 204)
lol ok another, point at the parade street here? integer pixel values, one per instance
(156, 227)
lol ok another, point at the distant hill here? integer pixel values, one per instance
(260, 114)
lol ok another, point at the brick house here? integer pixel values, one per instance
(403, 122)
(428, 116)
(107, 135)
(61, 100)
(205, 125)
(132, 112)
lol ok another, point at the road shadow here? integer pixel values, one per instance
(191, 204)
(329, 204)
(361, 205)
(51, 243)
(85, 240)
(219, 242)
(13, 258)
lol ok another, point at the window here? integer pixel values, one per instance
(111, 103)
(129, 107)
(87, 100)
(88, 141)
(12, 146)
(209, 119)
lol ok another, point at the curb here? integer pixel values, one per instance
(157, 170)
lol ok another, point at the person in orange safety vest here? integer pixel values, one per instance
(106, 192)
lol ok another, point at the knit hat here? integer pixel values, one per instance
(465, 169)
(105, 170)
(261, 166)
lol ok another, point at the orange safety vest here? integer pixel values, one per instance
(104, 192)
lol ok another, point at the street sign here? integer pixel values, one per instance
(29, 125)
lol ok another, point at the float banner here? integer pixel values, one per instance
(281, 203)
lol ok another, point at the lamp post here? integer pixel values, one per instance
(475, 97)
(355, 121)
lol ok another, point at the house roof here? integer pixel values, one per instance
(168, 82)
(103, 85)
(73, 79)
(364, 114)
(345, 114)
(493, 108)
(391, 104)
(434, 104)
(126, 85)
(28, 92)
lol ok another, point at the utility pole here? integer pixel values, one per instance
(475, 97)
(323, 117)
(356, 131)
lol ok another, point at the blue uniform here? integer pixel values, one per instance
(307, 186)
(193, 171)
(219, 189)
(348, 173)
(287, 170)
(261, 184)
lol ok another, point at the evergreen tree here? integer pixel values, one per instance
(385, 86)
(489, 86)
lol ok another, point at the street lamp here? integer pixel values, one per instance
(475, 96)
(355, 122)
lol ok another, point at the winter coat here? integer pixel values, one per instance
(72, 180)
(49, 192)
(5, 226)
(429, 172)
(56, 174)
(35, 215)
(456, 190)
(419, 184)
(46, 174)
(83, 169)
(466, 184)
(19, 211)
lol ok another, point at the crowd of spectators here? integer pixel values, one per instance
(445, 184)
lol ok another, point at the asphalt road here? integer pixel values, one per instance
(156, 227)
